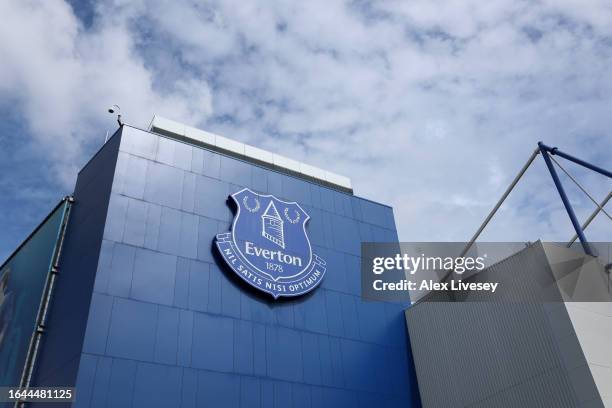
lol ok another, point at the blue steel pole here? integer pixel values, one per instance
(566, 203)
(557, 152)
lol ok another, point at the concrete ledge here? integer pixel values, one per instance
(179, 131)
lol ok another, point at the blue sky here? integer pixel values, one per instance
(430, 108)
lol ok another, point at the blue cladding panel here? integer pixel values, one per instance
(99, 397)
(283, 348)
(243, 347)
(135, 223)
(214, 347)
(86, 381)
(99, 318)
(157, 386)
(199, 286)
(181, 283)
(120, 269)
(189, 389)
(230, 295)
(185, 338)
(237, 171)
(218, 390)
(259, 346)
(206, 163)
(153, 278)
(166, 338)
(282, 394)
(259, 179)
(121, 383)
(311, 358)
(164, 185)
(250, 392)
(333, 308)
(169, 325)
(311, 314)
(211, 198)
(133, 171)
(132, 330)
(169, 230)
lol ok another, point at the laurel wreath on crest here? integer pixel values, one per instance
(292, 220)
(251, 209)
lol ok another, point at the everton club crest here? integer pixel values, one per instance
(268, 246)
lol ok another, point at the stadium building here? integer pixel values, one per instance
(192, 270)
(157, 294)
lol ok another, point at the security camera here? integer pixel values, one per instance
(116, 109)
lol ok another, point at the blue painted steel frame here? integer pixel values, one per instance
(546, 150)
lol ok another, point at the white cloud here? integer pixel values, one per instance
(64, 77)
(431, 107)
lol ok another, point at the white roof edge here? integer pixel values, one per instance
(216, 142)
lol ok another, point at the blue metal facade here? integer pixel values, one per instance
(169, 325)
(62, 342)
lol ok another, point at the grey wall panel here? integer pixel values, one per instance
(500, 354)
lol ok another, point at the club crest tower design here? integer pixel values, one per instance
(272, 225)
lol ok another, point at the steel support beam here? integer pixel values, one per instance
(545, 150)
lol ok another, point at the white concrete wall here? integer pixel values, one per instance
(592, 321)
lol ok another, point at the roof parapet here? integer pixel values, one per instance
(248, 153)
